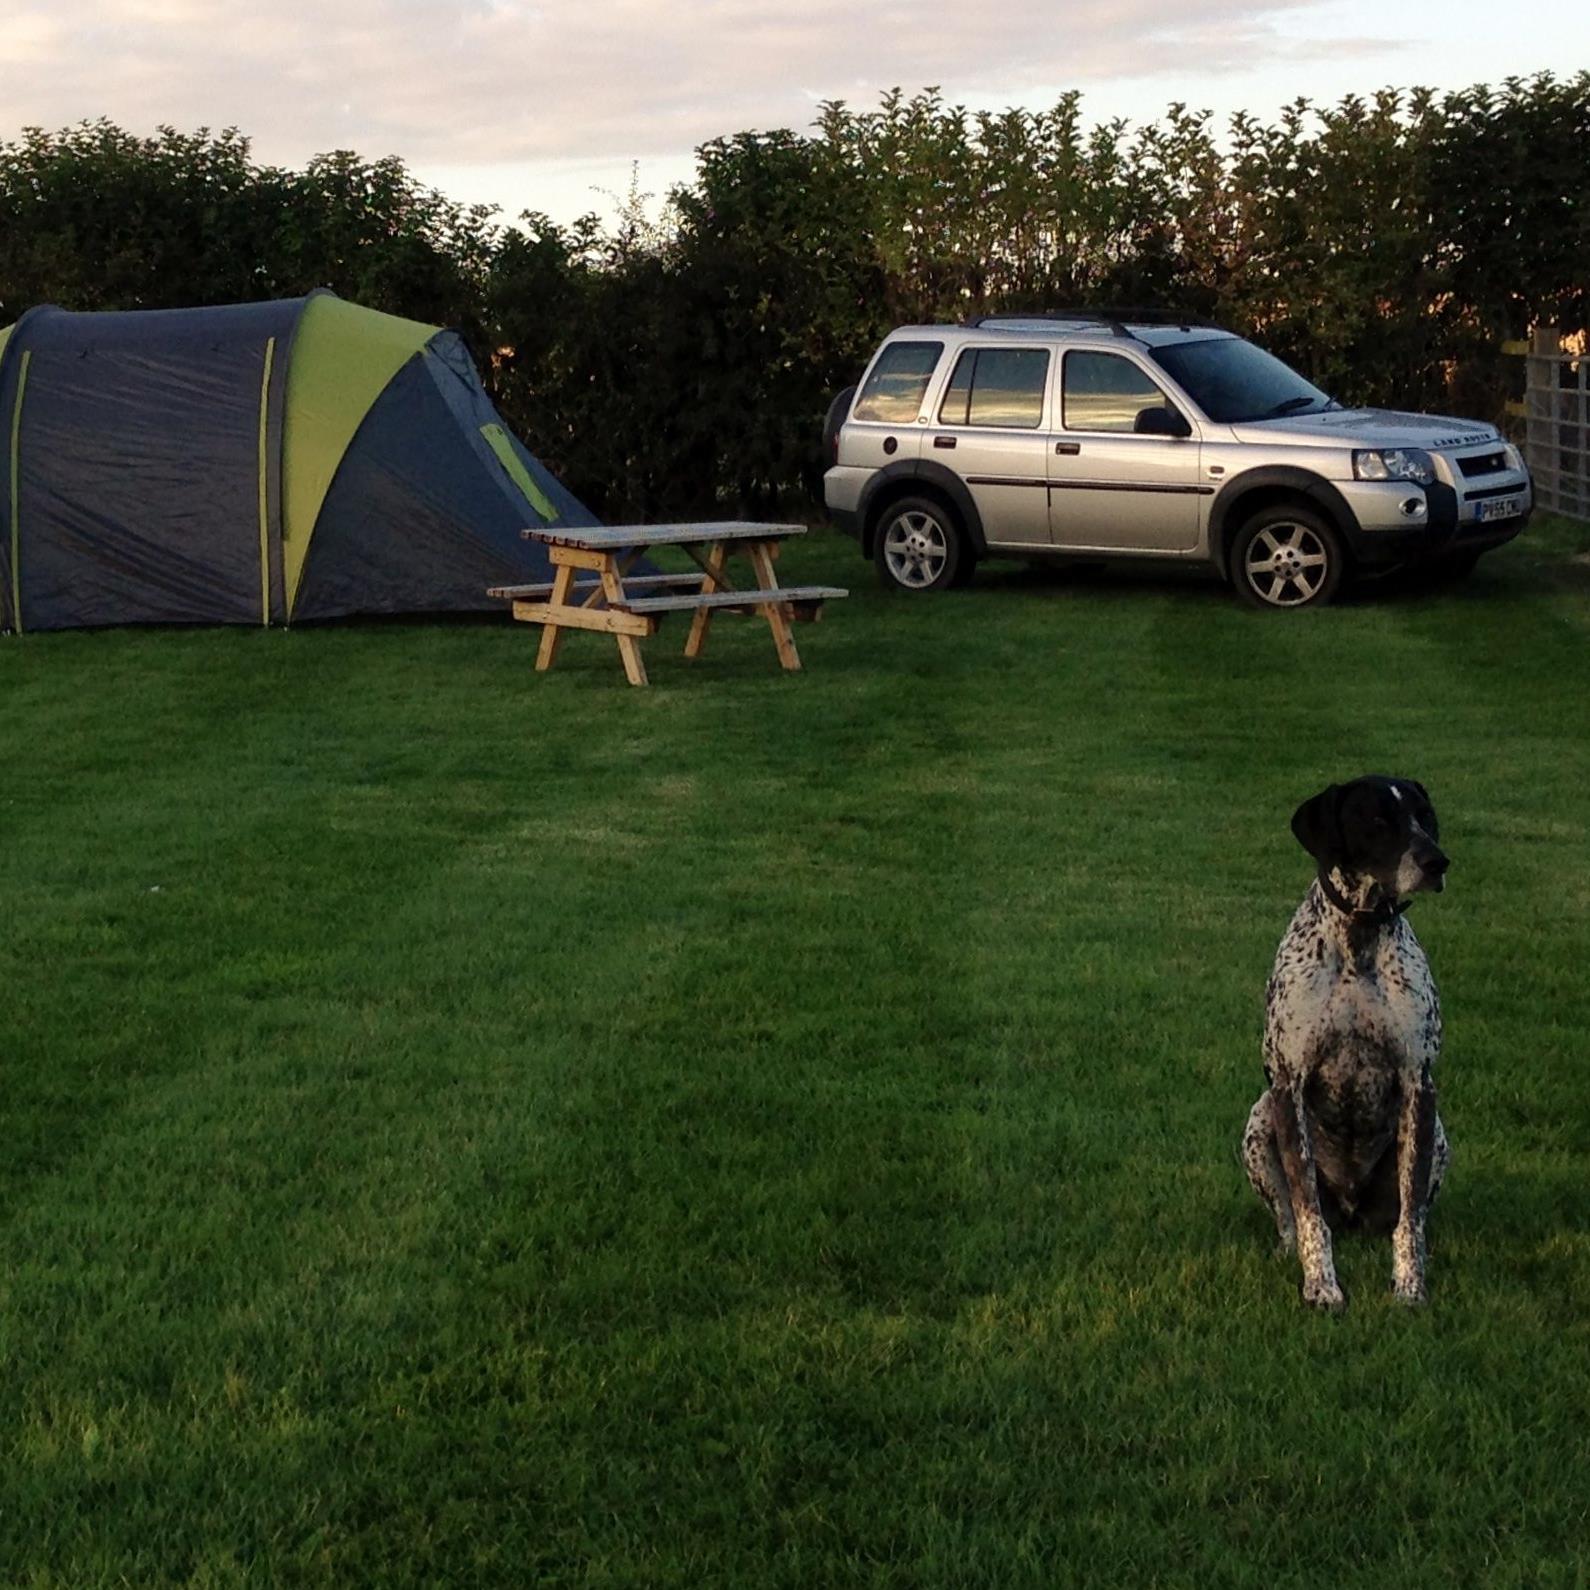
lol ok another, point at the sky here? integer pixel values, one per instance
(556, 105)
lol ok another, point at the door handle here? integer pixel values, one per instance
(1068, 449)
(943, 441)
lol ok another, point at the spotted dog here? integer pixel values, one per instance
(1346, 1133)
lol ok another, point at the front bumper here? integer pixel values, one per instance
(1399, 523)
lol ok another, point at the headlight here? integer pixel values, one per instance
(1515, 459)
(1395, 463)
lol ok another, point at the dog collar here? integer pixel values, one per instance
(1381, 915)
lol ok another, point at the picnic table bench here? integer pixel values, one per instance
(594, 566)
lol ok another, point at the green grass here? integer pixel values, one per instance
(467, 1127)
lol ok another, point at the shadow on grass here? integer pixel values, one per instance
(1498, 577)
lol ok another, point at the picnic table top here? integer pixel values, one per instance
(605, 538)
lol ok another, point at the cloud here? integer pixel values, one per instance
(468, 81)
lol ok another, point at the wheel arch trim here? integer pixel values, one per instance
(900, 479)
(1273, 481)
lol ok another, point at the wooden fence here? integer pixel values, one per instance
(1556, 416)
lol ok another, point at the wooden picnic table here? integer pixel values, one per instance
(595, 564)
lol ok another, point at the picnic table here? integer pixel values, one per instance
(594, 586)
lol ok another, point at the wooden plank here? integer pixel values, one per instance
(1514, 346)
(578, 558)
(777, 615)
(605, 620)
(712, 584)
(705, 601)
(662, 582)
(552, 635)
(628, 646)
(599, 538)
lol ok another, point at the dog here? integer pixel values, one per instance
(1347, 1132)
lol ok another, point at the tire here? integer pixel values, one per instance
(919, 546)
(1312, 560)
(838, 412)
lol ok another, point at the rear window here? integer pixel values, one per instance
(997, 386)
(898, 383)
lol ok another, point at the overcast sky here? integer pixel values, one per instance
(541, 103)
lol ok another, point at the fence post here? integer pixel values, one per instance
(1540, 381)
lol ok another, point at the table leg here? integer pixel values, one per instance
(551, 634)
(710, 583)
(628, 645)
(777, 612)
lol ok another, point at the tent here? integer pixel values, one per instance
(255, 464)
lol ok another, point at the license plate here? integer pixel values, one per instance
(1497, 508)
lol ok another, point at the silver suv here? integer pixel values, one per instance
(1078, 434)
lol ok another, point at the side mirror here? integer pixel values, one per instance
(1161, 420)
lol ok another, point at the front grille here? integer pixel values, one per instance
(1482, 464)
(1493, 491)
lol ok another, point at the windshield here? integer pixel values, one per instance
(1234, 382)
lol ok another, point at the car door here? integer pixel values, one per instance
(1111, 488)
(991, 430)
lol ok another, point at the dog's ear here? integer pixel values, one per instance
(1429, 805)
(1317, 823)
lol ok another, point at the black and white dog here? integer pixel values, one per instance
(1347, 1131)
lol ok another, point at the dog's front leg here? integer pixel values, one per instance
(1415, 1156)
(1320, 1286)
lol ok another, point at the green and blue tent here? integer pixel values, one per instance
(260, 463)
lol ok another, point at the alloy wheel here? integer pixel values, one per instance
(915, 549)
(1286, 564)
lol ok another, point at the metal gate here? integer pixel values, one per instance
(1557, 424)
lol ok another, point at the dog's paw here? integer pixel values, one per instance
(1410, 1291)
(1326, 1295)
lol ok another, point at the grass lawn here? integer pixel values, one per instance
(465, 1127)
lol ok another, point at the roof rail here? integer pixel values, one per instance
(1117, 320)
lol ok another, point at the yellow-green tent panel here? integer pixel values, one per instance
(344, 356)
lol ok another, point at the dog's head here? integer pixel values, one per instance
(1379, 827)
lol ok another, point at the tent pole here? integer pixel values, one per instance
(264, 487)
(16, 492)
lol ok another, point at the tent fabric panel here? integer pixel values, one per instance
(71, 331)
(343, 358)
(5, 336)
(459, 384)
(499, 441)
(137, 486)
(110, 397)
(413, 523)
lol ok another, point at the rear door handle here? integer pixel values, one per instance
(1069, 449)
(943, 441)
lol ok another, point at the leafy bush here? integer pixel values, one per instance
(1386, 246)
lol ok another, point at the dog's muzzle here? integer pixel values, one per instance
(1434, 866)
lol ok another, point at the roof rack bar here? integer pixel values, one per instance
(1096, 317)
(1116, 319)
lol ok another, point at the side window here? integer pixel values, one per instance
(997, 386)
(1104, 392)
(895, 389)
